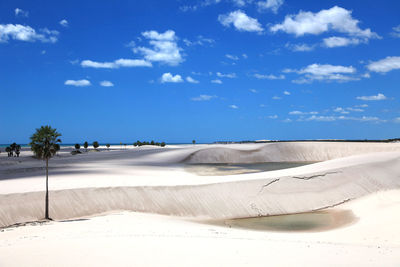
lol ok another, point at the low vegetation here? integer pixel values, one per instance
(13, 150)
(152, 143)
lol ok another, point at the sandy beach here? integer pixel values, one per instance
(147, 207)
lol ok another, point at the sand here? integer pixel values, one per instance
(136, 188)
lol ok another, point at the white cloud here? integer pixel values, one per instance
(227, 75)
(396, 31)
(64, 23)
(169, 78)
(325, 72)
(361, 106)
(372, 97)
(200, 40)
(335, 41)
(26, 33)
(273, 5)
(191, 80)
(276, 97)
(273, 117)
(338, 118)
(269, 76)
(287, 120)
(217, 81)
(106, 84)
(244, 56)
(233, 106)
(286, 93)
(296, 112)
(253, 91)
(240, 21)
(203, 97)
(78, 83)
(164, 48)
(334, 19)
(385, 65)
(21, 13)
(122, 62)
(397, 120)
(341, 110)
(232, 57)
(202, 3)
(300, 47)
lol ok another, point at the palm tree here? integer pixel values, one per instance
(77, 147)
(96, 144)
(8, 150)
(44, 144)
(108, 146)
(86, 145)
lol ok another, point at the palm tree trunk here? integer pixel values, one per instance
(47, 191)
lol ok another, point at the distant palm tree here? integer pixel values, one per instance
(96, 144)
(86, 145)
(108, 146)
(194, 142)
(8, 150)
(44, 144)
(77, 147)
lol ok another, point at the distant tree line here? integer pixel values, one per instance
(13, 150)
(146, 143)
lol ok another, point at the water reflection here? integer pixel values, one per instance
(310, 221)
(231, 169)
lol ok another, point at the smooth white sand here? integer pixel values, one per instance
(154, 180)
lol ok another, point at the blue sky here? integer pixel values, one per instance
(118, 71)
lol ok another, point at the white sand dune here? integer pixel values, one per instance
(362, 179)
(175, 192)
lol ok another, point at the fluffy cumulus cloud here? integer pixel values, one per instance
(64, 23)
(122, 62)
(269, 76)
(325, 72)
(372, 97)
(169, 78)
(191, 80)
(21, 13)
(106, 84)
(78, 83)
(203, 98)
(233, 106)
(334, 19)
(385, 65)
(26, 33)
(335, 41)
(164, 48)
(240, 21)
(272, 5)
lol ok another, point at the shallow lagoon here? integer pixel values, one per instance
(219, 169)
